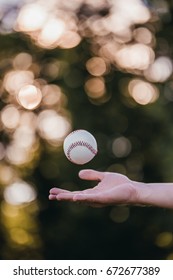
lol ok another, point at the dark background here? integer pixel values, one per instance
(43, 229)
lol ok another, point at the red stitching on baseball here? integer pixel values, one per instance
(80, 143)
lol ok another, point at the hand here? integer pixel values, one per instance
(112, 188)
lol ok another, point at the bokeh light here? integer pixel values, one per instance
(95, 87)
(33, 11)
(96, 66)
(19, 193)
(52, 126)
(143, 92)
(160, 70)
(52, 94)
(121, 147)
(143, 35)
(16, 79)
(10, 117)
(18, 155)
(22, 61)
(25, 136)
(29, 97)
(51, 33)
(135, 56)
(119, 214)
(7, 174)
(164, 239)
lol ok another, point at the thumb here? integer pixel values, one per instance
(89, 174)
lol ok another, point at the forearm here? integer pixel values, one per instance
(156, 194)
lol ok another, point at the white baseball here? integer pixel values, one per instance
(80, 146)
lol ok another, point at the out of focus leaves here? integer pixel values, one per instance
(98, 68)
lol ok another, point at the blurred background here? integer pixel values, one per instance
(105, 66)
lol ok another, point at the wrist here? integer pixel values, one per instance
(152, 194)
(142, 194)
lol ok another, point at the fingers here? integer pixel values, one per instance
(90, 195)
(78, 197)
(89, 198)
(52, 197)
(69, 196)
(85, 199)
(89, 174)
(54, 192)
(57, 191)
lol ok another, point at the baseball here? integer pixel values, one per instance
(80, 146)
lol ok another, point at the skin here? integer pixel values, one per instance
(115, 188)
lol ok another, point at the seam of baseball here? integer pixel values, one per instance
(80, 143)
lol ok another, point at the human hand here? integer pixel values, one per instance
(112, 188)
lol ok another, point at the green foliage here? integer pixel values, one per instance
(43, 229)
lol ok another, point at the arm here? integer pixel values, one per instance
(114, 188)
(156, 194)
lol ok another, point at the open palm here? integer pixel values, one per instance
(112, 188)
